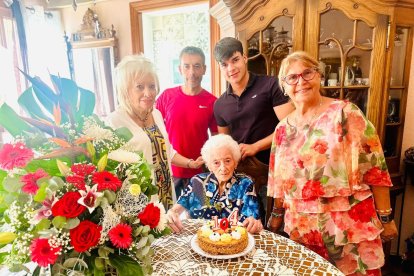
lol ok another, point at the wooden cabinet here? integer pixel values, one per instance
(364, 49)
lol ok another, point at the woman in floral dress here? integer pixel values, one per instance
(328, 175)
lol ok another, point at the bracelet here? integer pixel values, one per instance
(188, 163)
(384, 219)
(279, 209)
(384, 212)
(277, 215)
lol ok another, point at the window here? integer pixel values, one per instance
(174, 29)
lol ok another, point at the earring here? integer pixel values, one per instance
(284, 92)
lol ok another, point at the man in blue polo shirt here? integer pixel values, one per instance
(249, 111)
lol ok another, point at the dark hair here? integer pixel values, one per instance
(226, 47)
(191, 50)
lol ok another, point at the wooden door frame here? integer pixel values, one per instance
(137, 8)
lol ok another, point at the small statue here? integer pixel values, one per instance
(112, 32)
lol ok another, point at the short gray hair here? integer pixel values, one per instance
(217, 142)
(191, 50)
(130, 68)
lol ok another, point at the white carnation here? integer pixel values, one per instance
(124, 156)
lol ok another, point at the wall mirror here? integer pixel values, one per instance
(92, 56)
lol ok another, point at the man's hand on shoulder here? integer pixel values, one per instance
(248, 150)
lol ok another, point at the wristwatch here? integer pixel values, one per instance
(384, 218)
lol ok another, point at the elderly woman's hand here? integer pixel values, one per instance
(274, 224)
(253, 225)
(174, 221)
(390, 231)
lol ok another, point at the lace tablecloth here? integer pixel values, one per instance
(272, 255)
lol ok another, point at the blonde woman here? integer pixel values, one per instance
(137, 85)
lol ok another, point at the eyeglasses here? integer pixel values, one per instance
(307, 75)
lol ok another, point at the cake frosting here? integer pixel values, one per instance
(217, 241)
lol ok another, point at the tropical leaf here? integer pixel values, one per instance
(46, 96)
(72, 151)
(86, 103)
(12, 122)
(52, 130)
(28, 102)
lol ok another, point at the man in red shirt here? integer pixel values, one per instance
(188, 113)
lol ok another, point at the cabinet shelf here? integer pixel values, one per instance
(393, 124)
(397, 87)
(356, 87)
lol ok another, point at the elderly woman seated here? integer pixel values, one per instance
(220, 191)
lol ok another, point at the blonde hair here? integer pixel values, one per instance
(220, 141)
(130, 68)
(301, 56)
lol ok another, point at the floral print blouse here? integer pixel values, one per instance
(201, 198)
(324, 173)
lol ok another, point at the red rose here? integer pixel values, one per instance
(85, 235)
(68, 206)
(150, 215)
(320, 146)
(280, 135)
(363, 211)
(376, 176)
(312, 190)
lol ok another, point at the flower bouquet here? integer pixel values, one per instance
(74, 198)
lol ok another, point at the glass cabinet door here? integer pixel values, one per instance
(267, 48)
(396, 96)
(345, 48)
(351, 43)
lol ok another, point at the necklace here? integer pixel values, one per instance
(143, 120)
(293, 128)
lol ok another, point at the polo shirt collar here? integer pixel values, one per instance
(252, 79)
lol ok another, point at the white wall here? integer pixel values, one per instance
(114, 12)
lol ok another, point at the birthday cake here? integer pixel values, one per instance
(221, 240)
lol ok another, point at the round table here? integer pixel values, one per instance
(272, 255)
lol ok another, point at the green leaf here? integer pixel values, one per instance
(72, 223)
(12, 122)
(3, 257)
(12, 184)
(86, 103)
(36, 272)
(72, 262)
(28, 102)
(59, 222)
(48, 165)
(43, 224)
(41, 193)
(125, 265)
(3, 174)
(124, 132)
(324, 179)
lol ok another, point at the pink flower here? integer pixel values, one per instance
(15, 156)
(30, 181)
(89, 197)
(42, 253)
(120, 236)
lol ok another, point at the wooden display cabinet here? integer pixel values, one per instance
(370, 37)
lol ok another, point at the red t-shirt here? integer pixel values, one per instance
(187, 119)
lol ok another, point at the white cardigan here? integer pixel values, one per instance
(140, 140)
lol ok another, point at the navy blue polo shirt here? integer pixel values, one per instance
(251, 117)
